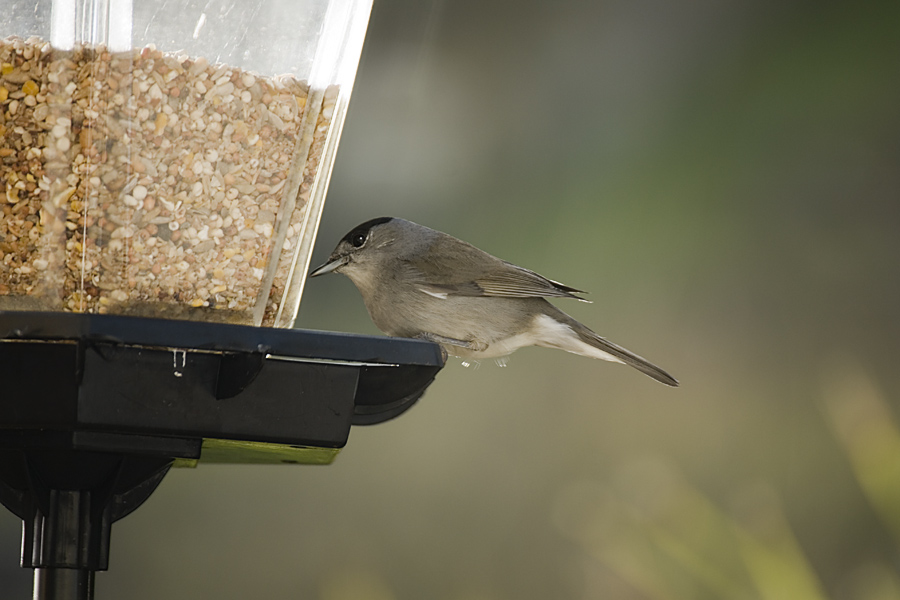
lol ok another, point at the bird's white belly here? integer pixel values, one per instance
(544, 331)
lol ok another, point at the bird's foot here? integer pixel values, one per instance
(472, 345)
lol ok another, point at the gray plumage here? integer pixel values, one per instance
(420, 283)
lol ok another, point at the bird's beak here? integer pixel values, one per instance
(332, 264)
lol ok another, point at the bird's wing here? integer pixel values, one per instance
(512, 281)
(481, 274)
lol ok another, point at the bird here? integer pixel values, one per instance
(417, 282)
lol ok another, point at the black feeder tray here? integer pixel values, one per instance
(95, 409)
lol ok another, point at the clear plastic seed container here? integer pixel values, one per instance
(169, 158)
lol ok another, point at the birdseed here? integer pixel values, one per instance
(151, 183)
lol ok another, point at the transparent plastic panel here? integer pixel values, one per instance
(169, 158)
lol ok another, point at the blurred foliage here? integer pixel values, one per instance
(868, 432)
(671, 542)
(724, 178)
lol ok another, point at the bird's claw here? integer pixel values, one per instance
(440, 339)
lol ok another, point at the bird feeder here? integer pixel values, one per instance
(169, 158)
(163, 168)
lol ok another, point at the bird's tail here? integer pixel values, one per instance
(588, 343)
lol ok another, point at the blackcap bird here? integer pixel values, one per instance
(420, 283)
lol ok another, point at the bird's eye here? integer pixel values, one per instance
(358, 239)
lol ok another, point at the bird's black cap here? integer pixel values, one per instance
(365, 227)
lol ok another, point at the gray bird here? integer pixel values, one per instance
(420, 283)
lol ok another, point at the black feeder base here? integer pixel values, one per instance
(95, 409)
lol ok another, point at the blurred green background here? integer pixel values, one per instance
(724, 177)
